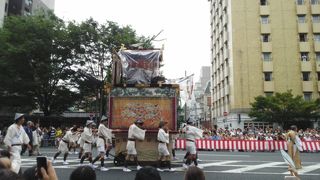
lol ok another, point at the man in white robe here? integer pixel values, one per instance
(192, 133)
(64, 144)
(163, 139)
(135, 133)
(14, 139)
(87, 138)
(37, 137)
(104, 136)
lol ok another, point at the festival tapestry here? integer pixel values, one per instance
(125, 110)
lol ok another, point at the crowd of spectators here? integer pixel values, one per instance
(252, 133)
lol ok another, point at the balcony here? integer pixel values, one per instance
(225, 36)
(316, 46)
(316, 27)
(318, 66)
(226, 90)
(225, 54)
(268, 86)
(304, 47)
(224, 4)
(267, 66)
(224, 20)
(303, 28)
(301, 9)
(265, 29)
(306, 66)
(315, 9)
(226, 72)
(266, 47)
(307, 86)
(264, 10)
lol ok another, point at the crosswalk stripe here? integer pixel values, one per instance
(306, 169)
(253, 167)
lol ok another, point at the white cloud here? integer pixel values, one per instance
(186, 26)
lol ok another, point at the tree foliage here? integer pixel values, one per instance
(283, 108)
(36, 55)
(41, 57)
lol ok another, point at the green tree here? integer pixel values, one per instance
(36, 55)
(283, 108)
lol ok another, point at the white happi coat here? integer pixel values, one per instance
(134, 133)
(192, 133)
(16, 135)
(163, 139)
(65, 141)
(106, 133)
(87, 138)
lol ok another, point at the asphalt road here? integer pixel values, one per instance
(217, 165)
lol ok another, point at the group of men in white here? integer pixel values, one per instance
(16, 137)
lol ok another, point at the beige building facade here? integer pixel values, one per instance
(260, 47)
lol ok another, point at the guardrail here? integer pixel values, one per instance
(247, 145)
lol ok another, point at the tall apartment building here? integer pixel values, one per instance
(4, 4)
(23, 7)
(260, 47)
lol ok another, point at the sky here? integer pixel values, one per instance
(185, 25)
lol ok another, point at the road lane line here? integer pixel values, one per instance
(306, 169)
(253, 167)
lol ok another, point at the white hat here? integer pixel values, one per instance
(138, 121)
(17, 116)
(104, 118)
(90, 122)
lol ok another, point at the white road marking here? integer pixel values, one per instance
(74, 162)
(306, 169)
(219, 155)
(253, 167)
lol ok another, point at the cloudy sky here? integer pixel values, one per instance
(185, 25)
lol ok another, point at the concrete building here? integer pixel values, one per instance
(4, 4)
(260, 47)
(23, 7)
(199, 109)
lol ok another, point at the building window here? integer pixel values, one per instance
(307, 96)
(304, 56)
(314, 2)
(264, 19)
(263, 2)
(306, 76)
(318, 56)
(303, 37)
(268, 94)
(266, 56)
(316, 37)
(300, 2)
(302, 19)
(316, 18)
(268, 76)
(318, 76)
(6, 8)
(265, 37)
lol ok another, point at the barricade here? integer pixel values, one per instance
(247, 145)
